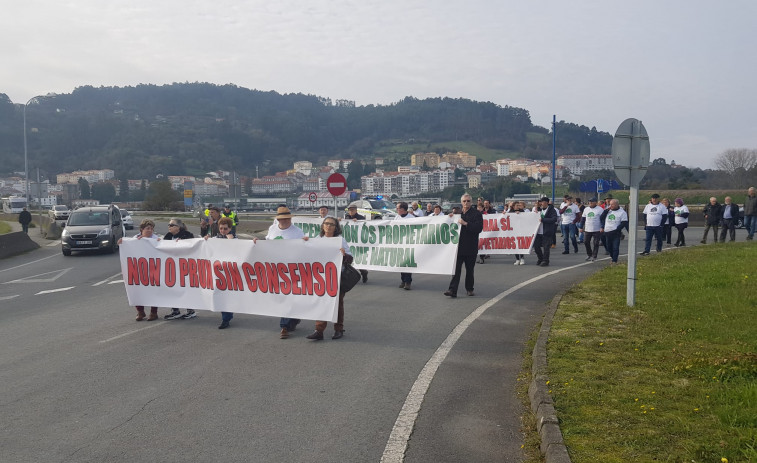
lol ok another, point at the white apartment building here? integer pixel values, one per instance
(503, 167)
(403, 184)
(580, 163)
(304, 167)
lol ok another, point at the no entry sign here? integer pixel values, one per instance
(336, 184)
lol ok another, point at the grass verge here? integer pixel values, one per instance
(4, 228)
(673, 378)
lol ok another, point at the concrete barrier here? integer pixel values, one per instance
(15, 243)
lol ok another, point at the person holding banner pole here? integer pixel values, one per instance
(282, 229)
(516, 207)
(402, 214)
(177, 230)
(225, 225)
(330, 228)
(354, 216)
(146, 231)
(471, 224)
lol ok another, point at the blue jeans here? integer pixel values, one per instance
(406, 277)
(750, 223)
(655, 232)
(613, 244)
(227, 316)
(569, 233)
(289, 323)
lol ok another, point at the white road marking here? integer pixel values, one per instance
(397, 444)
(107, 280)
(115, 281)
(132, 332)
(5, 298)
(22, 265)
(48, 291)
(32, 279)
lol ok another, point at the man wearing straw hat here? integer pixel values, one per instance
(282, 229)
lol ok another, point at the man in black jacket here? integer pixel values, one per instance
(713, 212)
(546, 234)
(25, 218)
(471, 224)
(730, 218)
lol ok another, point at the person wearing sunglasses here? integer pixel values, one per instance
(177, 230)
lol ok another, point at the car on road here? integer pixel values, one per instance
(374, 208)
(59, 213)
(92, 228)
(127, 219)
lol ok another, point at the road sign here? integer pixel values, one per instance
(630, 158)
(312, 196)
(336, 184)
(630, 152)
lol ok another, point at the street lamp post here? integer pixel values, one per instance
(26, 158)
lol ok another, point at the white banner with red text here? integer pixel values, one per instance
(292, 278)
(511, 233)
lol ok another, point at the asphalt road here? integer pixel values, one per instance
(82, 381)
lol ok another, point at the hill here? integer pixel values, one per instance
(185, 128)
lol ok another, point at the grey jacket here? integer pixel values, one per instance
(750, 205)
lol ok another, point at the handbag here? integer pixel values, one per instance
(350, 277)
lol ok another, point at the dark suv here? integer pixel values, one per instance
(92, 228)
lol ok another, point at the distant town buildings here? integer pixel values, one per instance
(91, 176)
(388, 183)
(577, 164)
(460, 158)
(425, 159)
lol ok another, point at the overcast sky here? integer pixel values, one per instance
(687, 69)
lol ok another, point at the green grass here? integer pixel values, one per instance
(673, 378)
(5, 227)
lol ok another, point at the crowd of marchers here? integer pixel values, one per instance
(598, 224)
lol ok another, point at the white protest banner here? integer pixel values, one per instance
(292, 278)
(508, 233)
(416, 245)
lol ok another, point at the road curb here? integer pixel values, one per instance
(547, 425)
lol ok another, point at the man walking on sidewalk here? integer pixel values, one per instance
(25, 218)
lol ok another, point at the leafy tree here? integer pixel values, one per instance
(84, 192)
(354, 171)
(161, 197)
(659, 162)
(124, 189)
(103, 192)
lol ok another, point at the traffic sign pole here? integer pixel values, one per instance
(630, 154)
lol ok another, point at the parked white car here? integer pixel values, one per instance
(59, 213)
(126, 219)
